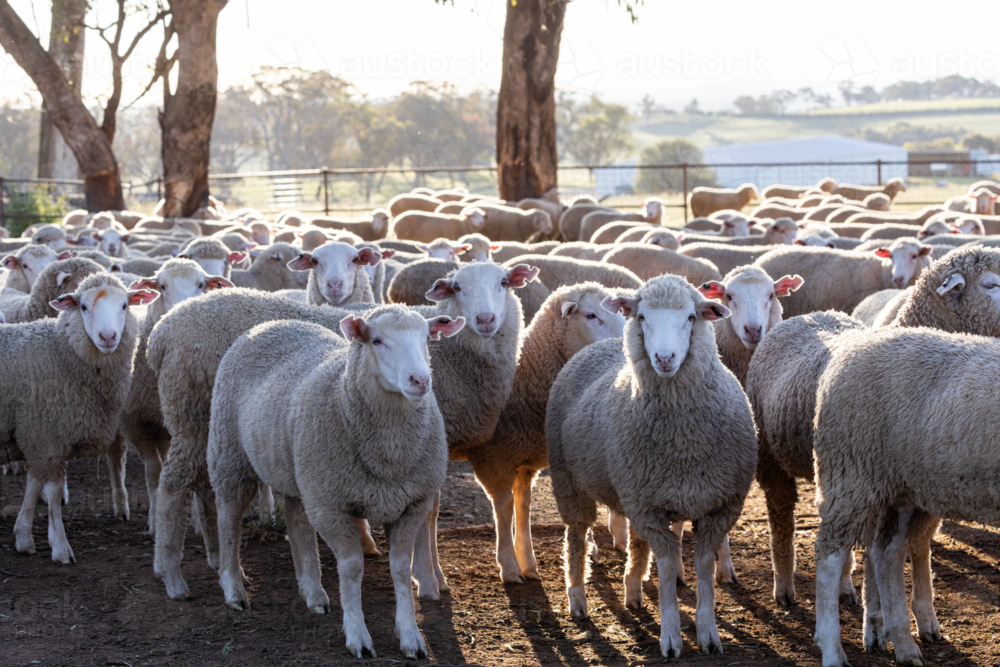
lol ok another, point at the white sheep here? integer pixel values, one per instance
(26, 264)
(630, 424)
(649, 261)
(369, 229)
(79, 369)
(365, 438)
(56, 279)
(506, 223)
(426, 226)
(704, 201)
(337, 273)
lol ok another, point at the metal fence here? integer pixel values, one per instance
(329, 190)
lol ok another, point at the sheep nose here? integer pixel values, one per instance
(485, 319)
(420, 383)
(109, 338)
(665, 362)
(335, 285)
(898, 281)
(753, 333)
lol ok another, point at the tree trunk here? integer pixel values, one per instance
(66, 38)
(189, 112)
(526, 106)
(67, 112)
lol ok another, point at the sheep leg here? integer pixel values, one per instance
(116, 468)
(670, 613)
(265, 501)
(922, 529)
(710, 533)
(230, 521)
(874, 625)
(367, 542)
(725, 571)
(890, 557)
(423, 566)
(432, 519)
(210, 526)
(341, 533)
(780, 494)
(829, 571)
(171, 524)
(305, 556)
(197, 516)
(636, 570)
(402, 536)
(848, 594)
(678, 528)
(575, 559)
(61, 551)
(152, 465)
(618, 527)
(592, 551)
(522, 516)
(22, 527)
(503, 516)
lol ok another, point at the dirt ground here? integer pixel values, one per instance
(109, 609)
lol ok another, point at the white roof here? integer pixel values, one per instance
(831, 148)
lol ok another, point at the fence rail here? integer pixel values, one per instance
(326, 189)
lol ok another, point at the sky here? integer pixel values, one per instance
(677, 51)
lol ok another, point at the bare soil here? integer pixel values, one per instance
(109, 608)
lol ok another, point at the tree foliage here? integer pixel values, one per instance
(672, 151)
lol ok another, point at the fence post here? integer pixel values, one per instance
(326, 191)
(159, 188)
(684, 202)
(3, 214)
(878, 164)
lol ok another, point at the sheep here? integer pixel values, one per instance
(594, 220)
(270, 272)
(704, 201)
(58, 278)
(447, 249)
(366, 438)
(140, 266)
(75, 218)
(96, 256)
(774, 211)
(648, 261)
(411, 282)
(506, 223)
(212, 255)
(425, 227)
(726, 257)
(142, 420)
(186, 346)
(878, 201)
(970, 225)
(572, 218)
(337, 274)
(581, 250)
(636, 231)
(508, 250)
(412, 202)
(898, 439)
(617, 401)
(868, 311)
(79, 369)
(506, 465)
(26, 264)
(781, 231)
(732, 227)
(891, 189)
(915, 218)
(113, 243)
(373, 229)
(933, 228)
(840, 280)
(663, 238)
(452, 207)
(478, 248)
(796, 191)
(610, 232)
(888, 231)
(582, 200)
(979, 201)
(50, 235)
(554, 209)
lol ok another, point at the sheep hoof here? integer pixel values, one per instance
(240, 605)
(374, 553)
(532, 575)
(848, 599)
(931, 636)
(785, 599)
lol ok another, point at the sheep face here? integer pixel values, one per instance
(989, 281)
(31, 261)
(110, 241)
(380, 221)
(907, 260)
(444, 249)
(178, 281)
(752, 298)
(815, 241)
(736, 226)
(103, 309)
(474, 217)
(541, 222)
(934, 228)
(397, 342)
(662, 238)
(666, 326)
(587, 322)
(783, 231)
(261, 233)
(335, 266)
(968, 225)
(654, 208)
(479, 292)
(984, 201)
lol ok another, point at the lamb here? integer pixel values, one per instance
(447, 249)
(142, 420)
(735, 226)
(608, 411)
(594, 220)
(292, 218)
(840, 280)
(508, 250)
(505, 223)
(781, 231)
(635, 233)
(969, 224)
(140, 266)
(26, 264)
(933, 228)
(726, 257)
(663, 238)
(85, 359)
(506, 465)
(425, 227)
(212, 255)
(704, 201)
(50, 235)
(572, 218)
(868, 311)
(113, 243)
(581, 250)
(610, 232)
(891, 189)
(479, 248)
(796, 191)
(401, 204)
(775, 211)
(187, 344)
(58, 278)
(366, 422)
(337, 274)
(887, 231)
(648, 261)
(270, 272)
(878, 201)
(554, 209)
(979, 201)
(373, 229)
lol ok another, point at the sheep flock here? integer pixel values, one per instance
(332, 367)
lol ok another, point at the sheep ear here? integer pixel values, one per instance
(463, 249)
(953, 283)
(568, 308)
(787, 284)
(711, 310)
(303, 262)
(800, 242)
(69, 254)
(443, 326)
(369, 256)
(751, 223)
(883, 252)
(713, 289)
(831, 246)
(520, 275)
(422, 247)
(386, 254)
(237, 257)
(139, 297)
(494, 248)
(613, 304)
(441, 290)
(217, 282)
(66, 302)
(925, 250)
(62, 277)
(354, 328)
(125, 239)
(144, 283)
(10, 262)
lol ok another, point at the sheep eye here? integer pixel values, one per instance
(376, 341)
(314, 260)
(729, 297)
(990, 286)
(642, 318)
(456, 287)
(591, 316)
(124, 306)
(163, 286)
(690, 318)
(83, 308)
(201, 285)
(770, 296)
(356, 260)
(503, 283)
